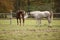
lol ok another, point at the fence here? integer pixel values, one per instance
(13, 15)
(56, 15)
(9, 16)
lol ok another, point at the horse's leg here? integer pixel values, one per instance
(20, 21)
(23, 20)
(38, 22)
(17, 21)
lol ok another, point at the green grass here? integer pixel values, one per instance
(30, 31)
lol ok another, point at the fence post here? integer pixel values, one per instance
(10, 16)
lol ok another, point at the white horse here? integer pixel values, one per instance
(38, 15)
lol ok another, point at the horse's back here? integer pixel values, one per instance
(41, 13)
(45, 13)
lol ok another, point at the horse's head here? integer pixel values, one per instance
(26, 15)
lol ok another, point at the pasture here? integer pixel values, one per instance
(30, 31)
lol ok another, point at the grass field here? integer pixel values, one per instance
(30, 31)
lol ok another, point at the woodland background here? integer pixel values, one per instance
(7, 5)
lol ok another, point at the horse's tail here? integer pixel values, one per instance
(51, 16)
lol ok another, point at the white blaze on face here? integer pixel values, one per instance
(26, 16)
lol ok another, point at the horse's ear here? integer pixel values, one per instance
(28, 13)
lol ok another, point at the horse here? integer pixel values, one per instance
(38, 15)
(20, 16)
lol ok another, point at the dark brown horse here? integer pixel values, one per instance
(20, 16)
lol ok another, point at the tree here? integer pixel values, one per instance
(57, 6)
(6, 5)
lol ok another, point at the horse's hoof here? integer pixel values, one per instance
(50, 26)
(23, 24)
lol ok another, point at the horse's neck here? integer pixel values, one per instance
(28, 13)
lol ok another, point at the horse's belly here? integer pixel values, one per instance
(37, 16)
(40, 16)
(44, 14)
